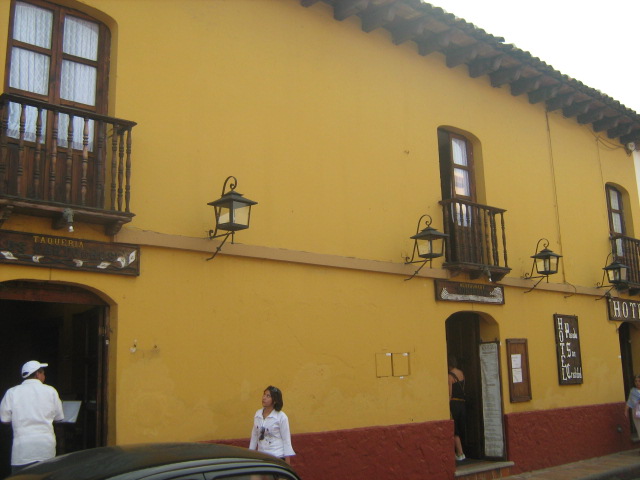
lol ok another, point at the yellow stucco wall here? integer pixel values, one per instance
(333, 132)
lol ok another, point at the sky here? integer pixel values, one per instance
(592, 41)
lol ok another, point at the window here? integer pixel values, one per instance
(59, 56)
(456, 174)
(456, 166)
(614, 205)
(616, 218)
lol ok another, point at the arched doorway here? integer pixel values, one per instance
(473, 339)
(65, 326)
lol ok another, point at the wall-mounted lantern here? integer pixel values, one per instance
(545, 263)
(428, 244)
(616, 274)
(232, 211)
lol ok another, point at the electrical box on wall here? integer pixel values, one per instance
(392, 364)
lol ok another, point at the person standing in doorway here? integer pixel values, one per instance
(271, 433)
(633, 403)
(31, 408)
(457, 405)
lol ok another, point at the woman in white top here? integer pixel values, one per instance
(271, 432)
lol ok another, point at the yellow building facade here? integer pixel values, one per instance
(346, 122)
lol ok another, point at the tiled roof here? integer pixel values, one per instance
(434, 30)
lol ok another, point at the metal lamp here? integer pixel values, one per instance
(616, 273)
(545, 263)
(232, 211)
(428, 244)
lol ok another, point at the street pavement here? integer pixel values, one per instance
(618, 466)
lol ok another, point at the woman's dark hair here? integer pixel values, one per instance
(276, 396)
(452, 361)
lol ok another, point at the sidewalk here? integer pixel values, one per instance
(618, 466)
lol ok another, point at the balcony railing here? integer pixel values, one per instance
(626, 250)
(55, 158)
(477, 242)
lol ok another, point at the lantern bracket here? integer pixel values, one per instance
(219, 247)
(232, 187)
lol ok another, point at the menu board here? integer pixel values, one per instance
(491, 400)
(518, 365)
(568, 349)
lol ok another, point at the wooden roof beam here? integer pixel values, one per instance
(620, 130)
(408, 30)
(505, 75)
(434, 43)
(525, 85)
(560, 101)
(460, 55)
(543, 94)
(343, 9)
(591, 115)
(576, 108)
(378, 17)
(633, 136)
(606, 123)
(483, 66)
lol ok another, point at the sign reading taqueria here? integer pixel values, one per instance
(624, 310)
(32, 249)
(469, 292)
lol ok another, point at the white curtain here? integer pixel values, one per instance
(30, 70)
(33, 25)
(461, 181)
(616, 219)
(462, 184)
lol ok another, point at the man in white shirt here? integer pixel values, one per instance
(31, 408)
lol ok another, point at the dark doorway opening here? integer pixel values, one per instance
(65, 327)
(463, 339)
(624, 335)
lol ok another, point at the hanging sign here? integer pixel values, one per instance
(624, 310)
(36, 250)
(469, 292)
(568, 349)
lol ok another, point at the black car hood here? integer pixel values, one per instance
(106, 462)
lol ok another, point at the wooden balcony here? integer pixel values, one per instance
(58, 161)
(477, 242)
(626, 250)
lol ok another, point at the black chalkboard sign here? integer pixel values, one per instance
(568, 349)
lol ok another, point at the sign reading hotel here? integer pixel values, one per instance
(568, 349)
(32, 249)
(624, 310)
(469, 292)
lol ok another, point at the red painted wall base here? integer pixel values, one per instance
(424, 451)
(546, 438)
(415, 451)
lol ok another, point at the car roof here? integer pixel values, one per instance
(107, 462)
